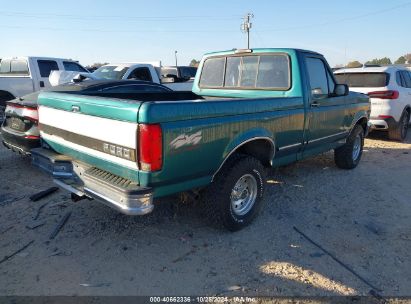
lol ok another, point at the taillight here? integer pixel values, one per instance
(384, 116)
(28, 113)
(150, 147)
(390, 94)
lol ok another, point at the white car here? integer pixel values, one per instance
(20, 76)
(389, 89)
(142, 71)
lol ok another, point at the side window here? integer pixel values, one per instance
(187, 72)
(46, 66)
(317, 75)
(141, 74)
(73, 67)
(399, 79)
(331, 83)
(407, 78)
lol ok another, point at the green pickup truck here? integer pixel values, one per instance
(251, 110)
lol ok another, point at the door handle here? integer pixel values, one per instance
(315, 104)
(41, 84)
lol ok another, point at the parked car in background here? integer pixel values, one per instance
(20, 128)
(144, 71)
(20, 76)
(180, 73)
(389, 89)
(252, 109)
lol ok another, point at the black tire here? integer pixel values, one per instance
(344, 156)
(399, 131)
(216, 200)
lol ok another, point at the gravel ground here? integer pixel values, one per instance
(360, 216)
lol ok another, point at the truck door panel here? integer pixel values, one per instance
(327, 113)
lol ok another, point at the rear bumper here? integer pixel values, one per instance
(18, 143)
(382, 124)
(83, 180)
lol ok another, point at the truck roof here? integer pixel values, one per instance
(38, 58)
(261, 50)
(369, 69)
(130, 64)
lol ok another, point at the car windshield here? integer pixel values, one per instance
(110, 72)
(363, 80)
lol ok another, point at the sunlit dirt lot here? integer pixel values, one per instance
(362, 217)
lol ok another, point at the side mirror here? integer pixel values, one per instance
(341, 90)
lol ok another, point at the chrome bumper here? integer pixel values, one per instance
(81, 179)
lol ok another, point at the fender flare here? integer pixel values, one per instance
(245, 138)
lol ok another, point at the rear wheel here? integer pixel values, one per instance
(234, 199)
(399, 131)
(349, 155)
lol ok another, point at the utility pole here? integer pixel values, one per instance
(175, 55)
(246, 26)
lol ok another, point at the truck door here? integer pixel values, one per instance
(44, 69)
(326, 111)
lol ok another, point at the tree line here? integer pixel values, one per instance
(404, 59)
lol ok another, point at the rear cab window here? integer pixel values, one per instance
(364, 80)
(255, 72)
(14, 67)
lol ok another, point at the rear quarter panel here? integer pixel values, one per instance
(198, 136)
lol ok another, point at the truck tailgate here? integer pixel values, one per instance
(99, 131)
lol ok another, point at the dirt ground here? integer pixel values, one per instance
(362, 217)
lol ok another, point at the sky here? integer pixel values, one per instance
(122, 31)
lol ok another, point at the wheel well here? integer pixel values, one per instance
(363, 123)
(5, 96)
(261, 149)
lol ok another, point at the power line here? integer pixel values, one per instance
(339, 20)
(122, 18)
(141, 31)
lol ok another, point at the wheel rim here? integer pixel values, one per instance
(356, 148)
(244, 194)
(404, 128)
